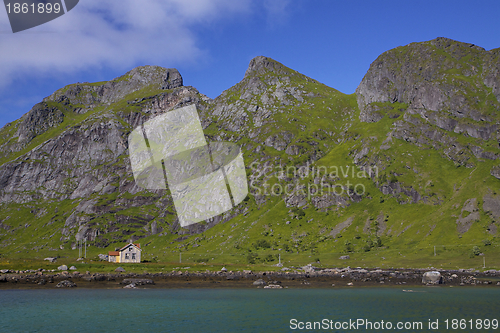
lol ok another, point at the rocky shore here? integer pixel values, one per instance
(303, 277)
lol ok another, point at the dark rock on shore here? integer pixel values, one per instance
(137, 282)
(259, 282)
(66, 284)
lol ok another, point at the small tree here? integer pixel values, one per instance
(476, 251)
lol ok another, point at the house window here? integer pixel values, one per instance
(126, 256)
(133, 256)
(130, 249)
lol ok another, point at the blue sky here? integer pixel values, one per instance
(211, 41)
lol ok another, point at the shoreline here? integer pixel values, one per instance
(325, 278)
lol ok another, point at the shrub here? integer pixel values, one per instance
(251, 258)
(486, 242)
(369, 243)
(269, 258)
(297, 213)
(262, 243)
(348, 246)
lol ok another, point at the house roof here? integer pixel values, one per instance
(114, 253)
(129, 244)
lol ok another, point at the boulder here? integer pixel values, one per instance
(259, 282)
(119, 269)
(4, 271)
(432, 277)
(344, 257)
(273, 286)
(51, 259)
(66, 284)
(308, 268)
(130, 286)
(223, 269)
(72, 268)
(62, 268)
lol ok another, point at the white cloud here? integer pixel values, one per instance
(112, 33)
(277, 11)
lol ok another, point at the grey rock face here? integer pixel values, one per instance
(424, 76)
(491, 204)
(436, 89)
(469, 214)
(495, 172)
(38, 120)
(91, 158)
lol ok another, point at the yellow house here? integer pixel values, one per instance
(130, 253)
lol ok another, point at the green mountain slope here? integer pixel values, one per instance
(409, 162)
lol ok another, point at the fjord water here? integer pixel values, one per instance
(234, 310)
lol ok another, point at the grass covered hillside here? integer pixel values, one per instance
(403, 173)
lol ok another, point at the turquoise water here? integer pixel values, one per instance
(236, 310)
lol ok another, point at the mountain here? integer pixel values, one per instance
(408, 162)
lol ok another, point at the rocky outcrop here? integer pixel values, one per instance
(447, 84)
(38, 120)
(469, 215)
(429, 75)
(91, 94)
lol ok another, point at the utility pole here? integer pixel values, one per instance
(434, 250)
(279, 258)
(85, 248)
(180, 257)
(484, 262)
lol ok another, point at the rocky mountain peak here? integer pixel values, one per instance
(154, 77)
(164, 78)
(261, 64)
(447, 43)
(430, 75)
(435, 88)
(46, 115)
